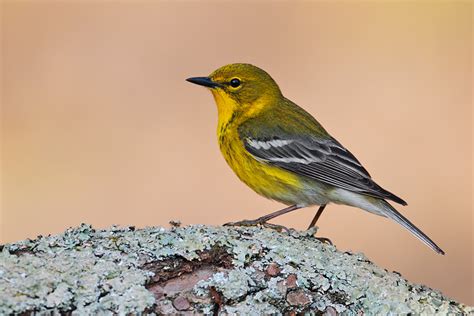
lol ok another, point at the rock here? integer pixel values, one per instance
(181, 303)
(158, 291)
(330, 311)
(165, 308)
(204, 270)
(273, 269)
(187, 281)
(291, 281)
(298, 298)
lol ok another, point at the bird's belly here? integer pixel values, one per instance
(270, 181)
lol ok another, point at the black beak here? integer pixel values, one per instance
(204, 81)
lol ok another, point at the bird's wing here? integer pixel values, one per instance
(322, 159)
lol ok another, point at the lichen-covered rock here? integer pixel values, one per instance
(202, 269)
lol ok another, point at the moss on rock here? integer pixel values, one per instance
(244, 270)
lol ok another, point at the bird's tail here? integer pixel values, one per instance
(389, 211)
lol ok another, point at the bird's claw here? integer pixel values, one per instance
(278, 228)
(257, 222)
(324, 240)
(311, 231)
(245, 223)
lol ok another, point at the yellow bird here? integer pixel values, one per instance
(281, 152)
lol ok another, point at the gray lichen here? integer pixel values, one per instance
(202, 269)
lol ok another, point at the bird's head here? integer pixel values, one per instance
(240, 89)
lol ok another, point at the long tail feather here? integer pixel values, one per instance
(382, 208)
(390, 212)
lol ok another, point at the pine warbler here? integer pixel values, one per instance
(281, 152)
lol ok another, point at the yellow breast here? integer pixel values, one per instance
(269, 181)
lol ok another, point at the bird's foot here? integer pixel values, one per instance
(312, 230)
(258, 222)
(324, 240)
(278, 228)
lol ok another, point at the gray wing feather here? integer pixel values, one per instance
(325, 160)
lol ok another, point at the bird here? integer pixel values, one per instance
(283, 153)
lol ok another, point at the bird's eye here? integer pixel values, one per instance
(234, 83)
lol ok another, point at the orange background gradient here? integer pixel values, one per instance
(99, 125)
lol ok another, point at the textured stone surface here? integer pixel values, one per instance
(273, 269)
(298, 298)
(202, 269)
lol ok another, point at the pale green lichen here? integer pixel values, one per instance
(87, 271)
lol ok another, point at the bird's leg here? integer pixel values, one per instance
(264, 219)
(313, 223)
(316, 217)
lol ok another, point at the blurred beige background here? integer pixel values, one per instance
(99, 126)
